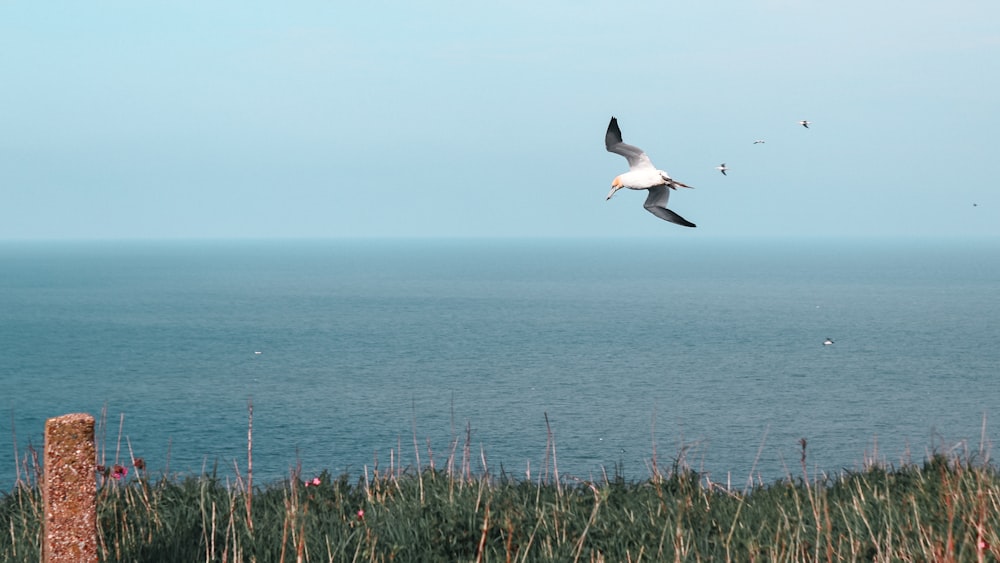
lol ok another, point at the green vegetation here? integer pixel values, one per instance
(944, 510)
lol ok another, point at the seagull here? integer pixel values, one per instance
(827, 342)
(722, 168)
(642, 175)
(805, 123)
(758, 141)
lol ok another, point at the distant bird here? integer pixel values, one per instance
(805, 123)
(827, 342)
(975, 205)
(722, 168)
(759, 142)
(642, 175)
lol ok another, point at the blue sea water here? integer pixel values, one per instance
(706, 350)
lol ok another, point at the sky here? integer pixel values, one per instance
(236, 120)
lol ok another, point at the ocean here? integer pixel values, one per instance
(362, 353)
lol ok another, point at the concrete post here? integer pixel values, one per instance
(69, 490)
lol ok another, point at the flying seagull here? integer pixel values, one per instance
(722, 168)
(805, 123)
(827, 342)
(759, 142)
(642, 175)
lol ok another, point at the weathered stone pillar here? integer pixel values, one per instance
(69, 490)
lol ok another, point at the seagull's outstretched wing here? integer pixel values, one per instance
(613, 142)
(656, 203)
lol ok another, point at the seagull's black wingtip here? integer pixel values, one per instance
(614, 134)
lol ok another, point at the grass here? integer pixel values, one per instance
(945, 509)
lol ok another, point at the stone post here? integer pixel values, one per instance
(69, 490)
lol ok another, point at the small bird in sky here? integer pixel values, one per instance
(722, 168)
(642, 175)
(758, 142)
(805, 123)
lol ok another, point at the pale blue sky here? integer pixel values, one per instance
(333, 119)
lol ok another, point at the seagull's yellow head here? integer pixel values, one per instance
(616, 185)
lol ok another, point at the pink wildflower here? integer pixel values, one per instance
(983, 545)
(119, 471)
(361, 515)
(314, 483)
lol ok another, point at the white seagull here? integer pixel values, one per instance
(642, 175)
(827, 342)
(722, 168)
(805, 123)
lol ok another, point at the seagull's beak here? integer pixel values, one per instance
(615, 186)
